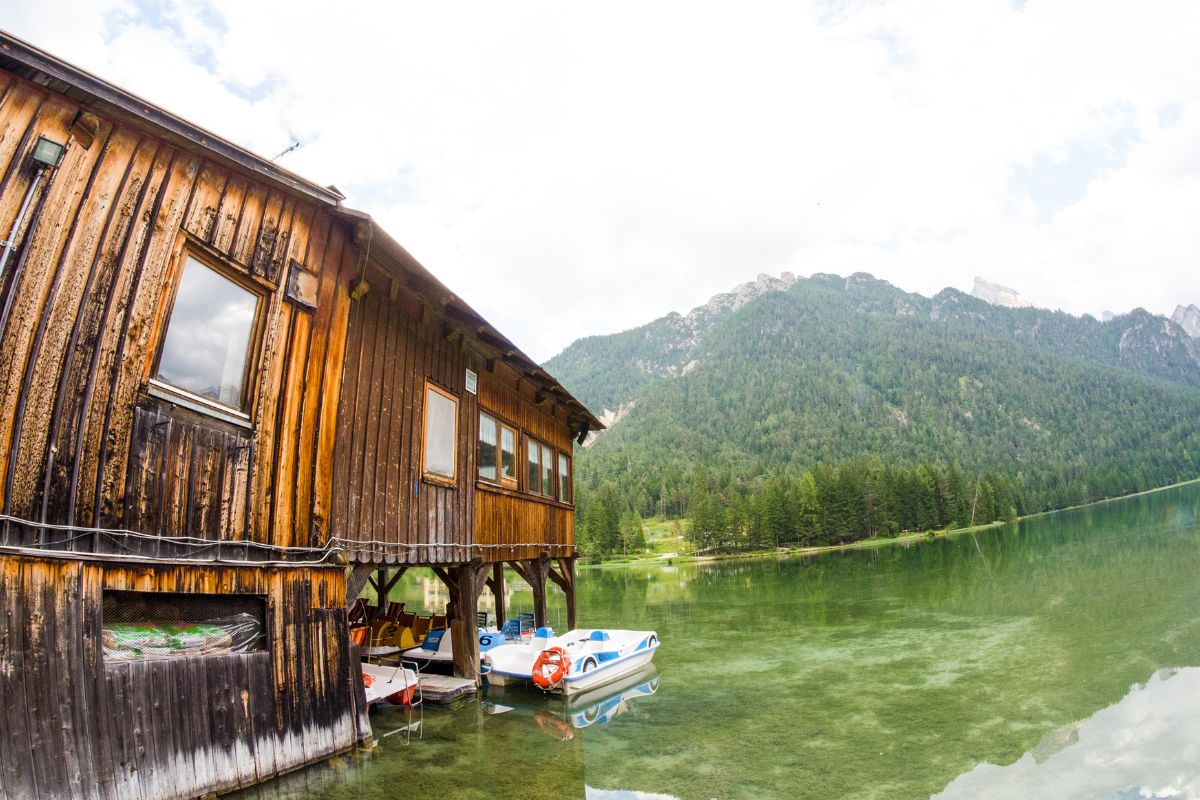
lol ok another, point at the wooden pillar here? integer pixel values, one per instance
(497, 586)
(538, 570)
(380, 591)
(534, 573)
(467, 582)
(568, 565)
(565, 579)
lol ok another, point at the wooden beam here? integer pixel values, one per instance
(568, 568)
(517, 568)
(559, 580)
(356, 581)
(534, 573)
(497, 584)
(564, 577)
(445, 578)
(538, 569)
(480, 579)
(387, 589)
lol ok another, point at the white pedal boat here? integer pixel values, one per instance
(578, 660)
(395, 685)
(436, 651)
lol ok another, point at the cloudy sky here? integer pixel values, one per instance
(576, 168)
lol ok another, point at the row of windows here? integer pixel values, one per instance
(547, 471)
(206, 352)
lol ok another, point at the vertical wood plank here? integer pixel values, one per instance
(102, 461)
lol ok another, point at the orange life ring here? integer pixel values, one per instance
(551, 666)
(367, 680)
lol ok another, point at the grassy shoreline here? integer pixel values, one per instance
(877, 541)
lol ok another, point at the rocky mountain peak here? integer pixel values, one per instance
(1189, 319)
(998, 295)
(741, 295)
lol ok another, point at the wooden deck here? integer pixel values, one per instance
(445, 689)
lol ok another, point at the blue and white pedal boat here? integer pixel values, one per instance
(579, 660)
(436, 651)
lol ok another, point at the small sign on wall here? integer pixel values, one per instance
(472, 381)
(301, 285)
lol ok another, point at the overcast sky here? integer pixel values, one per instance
(576, 168)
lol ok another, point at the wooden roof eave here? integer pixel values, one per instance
(36, 65)
(29, 62)
(387, 250)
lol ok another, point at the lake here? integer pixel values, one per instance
(1055, 658)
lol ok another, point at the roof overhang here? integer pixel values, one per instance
(426, 284)
(40, 67)
(29, 62)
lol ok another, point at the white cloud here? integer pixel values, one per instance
(573, 169)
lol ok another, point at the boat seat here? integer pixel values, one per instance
(437, 622)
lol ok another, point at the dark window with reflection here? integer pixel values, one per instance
(564, 478)
(488, 452)
(208, 335)
(547, 471)
(535, 468)
(497, 451)
(508, 455)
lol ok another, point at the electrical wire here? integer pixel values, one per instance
(334, 546)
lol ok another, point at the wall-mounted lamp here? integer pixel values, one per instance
(48, 153)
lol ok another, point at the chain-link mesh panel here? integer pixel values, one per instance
(140, 626)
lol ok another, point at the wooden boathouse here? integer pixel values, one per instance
(226, 396)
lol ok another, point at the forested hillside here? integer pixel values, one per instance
(795, 385)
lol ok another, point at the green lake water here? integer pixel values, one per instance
(1056, 658)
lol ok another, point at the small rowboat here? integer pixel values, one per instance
(578, 660)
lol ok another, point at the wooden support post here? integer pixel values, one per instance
(497, 585)
(356, 581)
(379, 582)
(467, 581)
(538, 570)
(565, 578)
(392, 581)
(534, 573)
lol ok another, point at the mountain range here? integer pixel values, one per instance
(784, 373)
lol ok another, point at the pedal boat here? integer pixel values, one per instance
(578, 660)
(394, 685)
(436, 651)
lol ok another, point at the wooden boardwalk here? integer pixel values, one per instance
(445, 689)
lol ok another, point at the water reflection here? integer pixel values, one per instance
(561, 717)
(879, 673)
(1147, 745)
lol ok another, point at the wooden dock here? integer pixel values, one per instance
(445, 689)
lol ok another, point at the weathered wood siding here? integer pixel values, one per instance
(394, 344)
(397, 340)
(531, 525)
(80, 441)
(74, 726)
